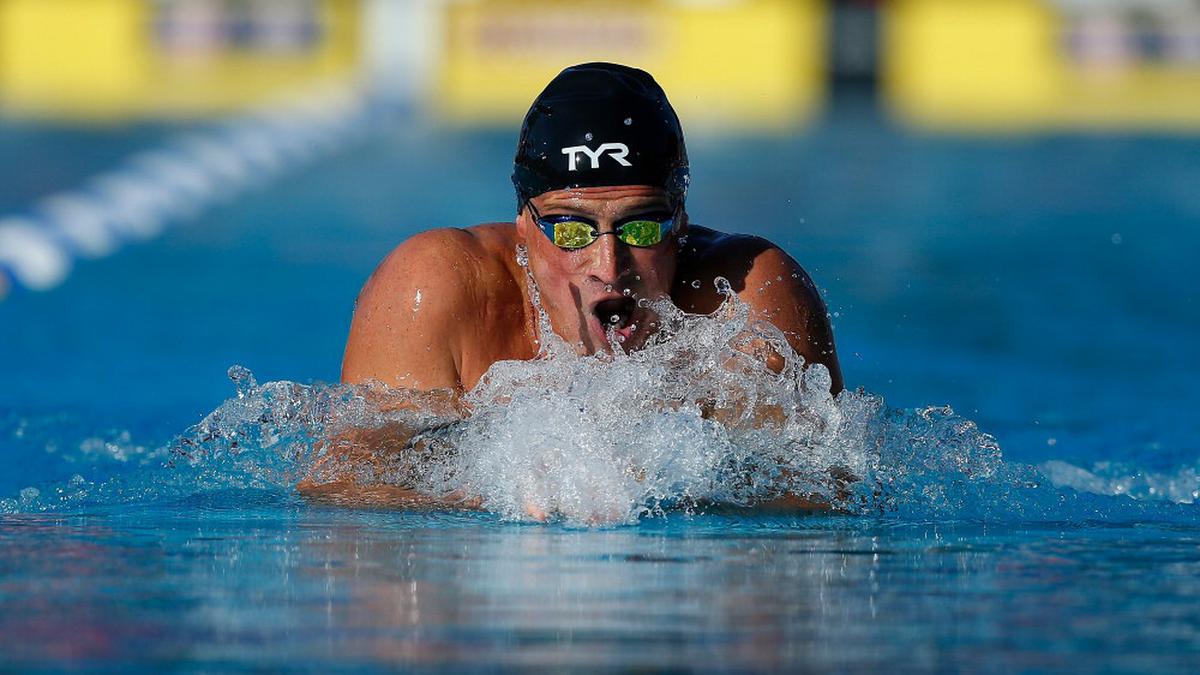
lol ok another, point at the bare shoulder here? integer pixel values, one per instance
(765, 277)
(406, 319)
(756, 269)
(438, 261)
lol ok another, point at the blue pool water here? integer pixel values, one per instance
(1041, 286)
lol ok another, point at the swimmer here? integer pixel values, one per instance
(601, 174)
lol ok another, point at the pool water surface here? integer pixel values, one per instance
(1043, 287)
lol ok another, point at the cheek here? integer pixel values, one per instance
(554, 273)
(556, 266)
(656, 269)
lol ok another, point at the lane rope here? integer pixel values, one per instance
(156, 189)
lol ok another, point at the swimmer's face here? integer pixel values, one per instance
(583, 289)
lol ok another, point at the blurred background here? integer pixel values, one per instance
(998, 197)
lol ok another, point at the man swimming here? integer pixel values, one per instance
(601, 174)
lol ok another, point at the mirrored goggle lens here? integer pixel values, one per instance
(644, 232)
(570, 233)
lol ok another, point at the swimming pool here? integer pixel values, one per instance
(1041, 286)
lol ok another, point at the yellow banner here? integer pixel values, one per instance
(1000, 64)
(751, 64)
(120, 58)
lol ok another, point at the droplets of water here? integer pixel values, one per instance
(243, 380)
(542, 325)
(693, 418)
(1181, 485)
(615, 438)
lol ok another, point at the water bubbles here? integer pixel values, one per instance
(587, 136)
(628, 121)
(627, 292)
(695, 283)
(243, 380)
(542, 324)
(694, 416)
(608, 288)
(1116, 239)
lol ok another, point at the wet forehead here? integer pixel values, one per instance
(604, 202)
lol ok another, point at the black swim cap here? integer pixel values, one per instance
(600, 124)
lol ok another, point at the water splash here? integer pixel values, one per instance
(1182, 485)
(693, 419)
(266, 437)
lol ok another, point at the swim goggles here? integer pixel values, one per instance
(575, 232)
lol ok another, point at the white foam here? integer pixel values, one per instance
(1182, 485)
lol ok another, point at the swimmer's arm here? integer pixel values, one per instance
(407, 330)
(354, 463)
(780, 291)
(405, 335)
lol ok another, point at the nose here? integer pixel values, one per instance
(605, 259)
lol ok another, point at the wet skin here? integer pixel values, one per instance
(447, 304)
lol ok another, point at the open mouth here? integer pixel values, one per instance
(615, 315)
(616, 312)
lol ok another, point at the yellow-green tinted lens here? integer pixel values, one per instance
(641, 233)
(573, 234)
